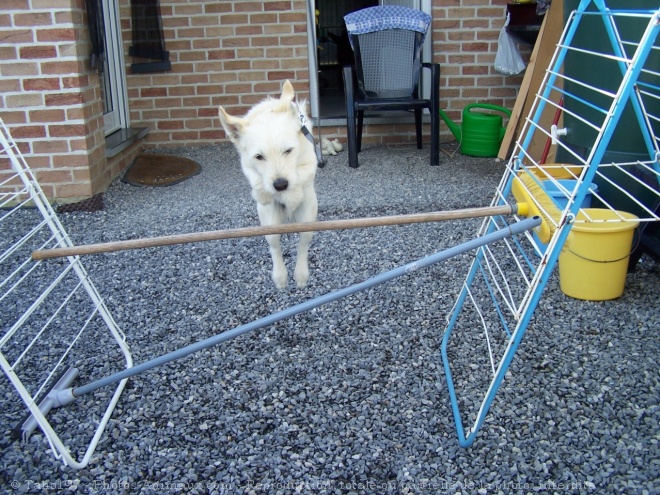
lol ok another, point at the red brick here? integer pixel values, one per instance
(170, 124)
(19, 69)
(221, 54)
(213, 135)
(193, 32)
(294, 40)
(14, 117)
(153, 92)
(475, 70)
(53, 115)
(42, 84)
(10, 85)
(68, 190)
(272, 6)
(165, 102)
(63, 99)
(296, 18)
(262, 19)
(187, 10)
(184, 136)
(241, 41)
(56, 35)
(7, 53)
(207, 112)
(61, 67)
(67, 130)
(205, 44)
(234, 19)
(217, 7)
(16, 35)
(474, 47)
(249, 6)
(29, 131)
(43, 51)
(196, 101)
(80, 81)
(280, 76)
(236, 65)
(183, 113)
(33, 19)
(5, 20)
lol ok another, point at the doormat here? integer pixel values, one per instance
(151, 169)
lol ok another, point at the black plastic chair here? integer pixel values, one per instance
(387, 43)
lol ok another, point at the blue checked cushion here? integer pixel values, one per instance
(387, 17)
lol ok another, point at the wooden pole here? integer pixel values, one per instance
(215, 235)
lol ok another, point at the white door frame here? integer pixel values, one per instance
(113, 78)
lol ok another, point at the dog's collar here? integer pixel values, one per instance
(320, 159)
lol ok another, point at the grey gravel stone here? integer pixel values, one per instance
(350, 397)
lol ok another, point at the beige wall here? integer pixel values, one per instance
(230, 53)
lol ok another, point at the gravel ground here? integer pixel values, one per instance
(350, 397)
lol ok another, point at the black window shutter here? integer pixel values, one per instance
(96, 33)
(148, 39)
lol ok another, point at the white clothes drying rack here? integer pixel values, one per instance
(505, 282)
(36, 318)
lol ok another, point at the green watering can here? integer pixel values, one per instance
(481, 133)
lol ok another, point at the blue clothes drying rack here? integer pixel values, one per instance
(504, 286)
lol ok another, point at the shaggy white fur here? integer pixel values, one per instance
(280, 165)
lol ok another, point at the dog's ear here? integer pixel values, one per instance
(233, 126)
(287, 91)
(286, 98)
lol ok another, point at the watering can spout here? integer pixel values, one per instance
(453, 127)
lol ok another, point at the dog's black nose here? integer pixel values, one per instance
(280, 184)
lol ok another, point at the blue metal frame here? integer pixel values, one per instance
(625, 93)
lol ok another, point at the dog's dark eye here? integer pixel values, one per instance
(287, 151)
(259, 157)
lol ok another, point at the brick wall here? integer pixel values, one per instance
(229, 53)
(48, 98)
(465, 41)
(235, 53)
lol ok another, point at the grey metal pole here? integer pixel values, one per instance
(69, 395)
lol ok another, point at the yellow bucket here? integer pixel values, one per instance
(594, 263)
(556, 171)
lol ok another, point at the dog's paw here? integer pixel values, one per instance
(301, 276)
(280, 278)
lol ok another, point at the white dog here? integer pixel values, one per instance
(280, 163)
